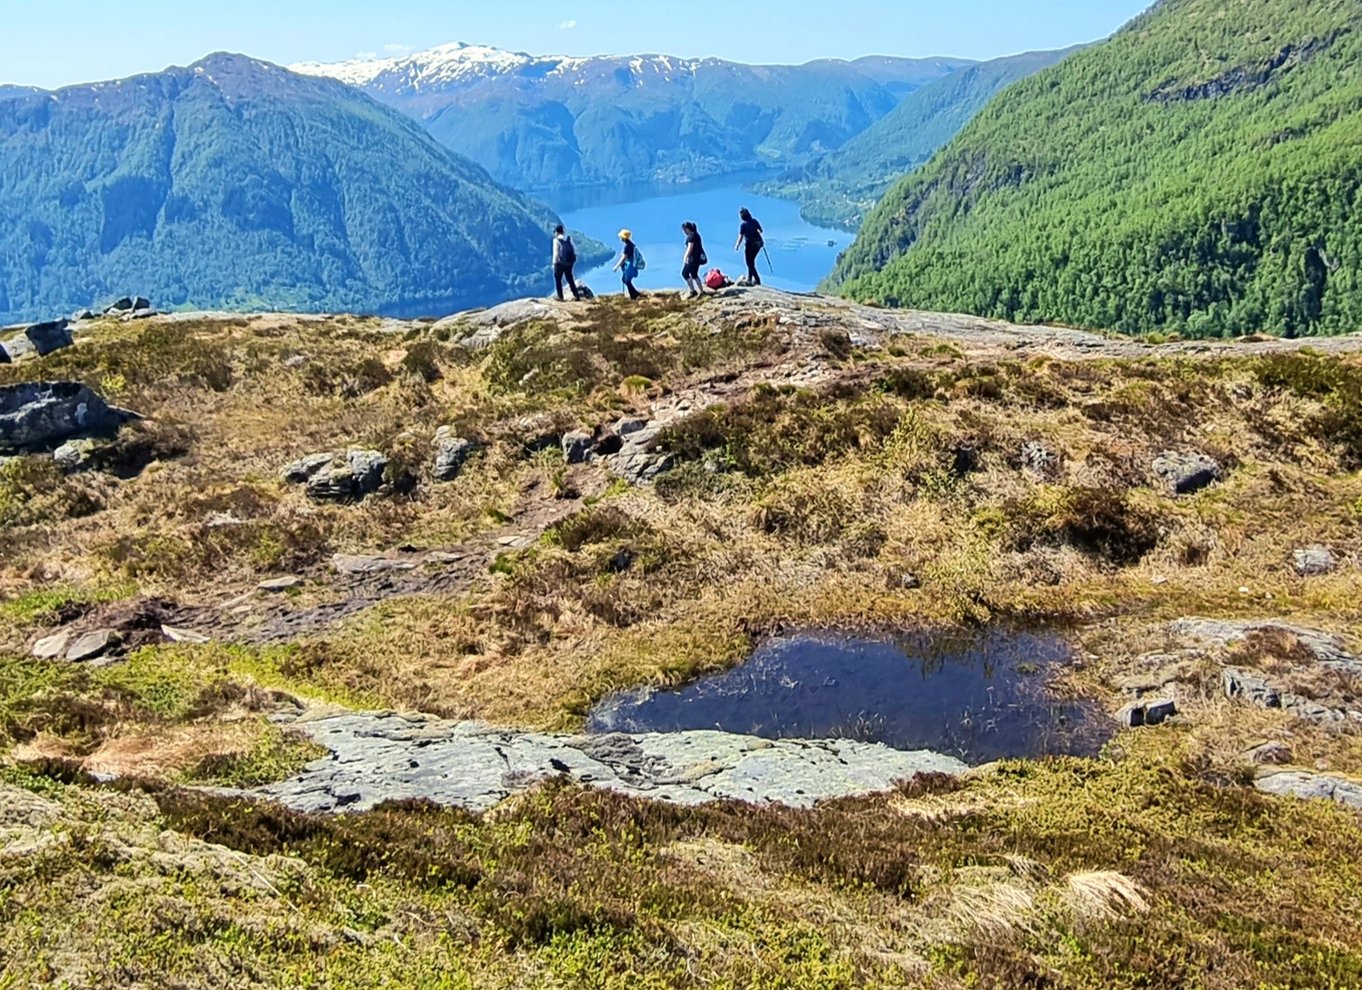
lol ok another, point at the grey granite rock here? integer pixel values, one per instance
(92, 645)
(577, 446)
(36, 415)
(1312, 786)
(302, 470)
(1314, 561)
(344, 477)
(377, 757)
(451, 453)
(51, 647)
(1186, 473)
(74, 455)
(1242, 685)
(37, 340)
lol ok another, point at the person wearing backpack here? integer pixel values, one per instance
(564, 258)
(631, 262)
(751, 233)
(693, 259)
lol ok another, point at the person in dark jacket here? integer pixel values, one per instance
(750, 233)
(564, 257)
(693, 259)
(628, 263)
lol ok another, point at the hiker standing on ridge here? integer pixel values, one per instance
(630, 263)
(751, 232)
(694, 258)
(564, 257)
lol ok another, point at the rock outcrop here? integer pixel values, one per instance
(39, 415)
(337, 477)
(379, 757)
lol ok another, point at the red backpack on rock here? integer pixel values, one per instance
(717, 280)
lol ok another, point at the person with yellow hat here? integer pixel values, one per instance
(631, 262)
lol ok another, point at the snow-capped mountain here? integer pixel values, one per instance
(538, 122)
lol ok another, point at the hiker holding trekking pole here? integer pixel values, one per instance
(751, 233)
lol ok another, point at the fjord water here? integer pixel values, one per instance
(980, 697)
(800, 253)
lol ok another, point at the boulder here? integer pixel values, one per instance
(38, 340)
(1271, 753)
(630, 424)
(348, 479)
(451, 453)
(577, 446)
(1185, 473)
(36, 415)
(1314, 561)
(127, 304)
(337, 477)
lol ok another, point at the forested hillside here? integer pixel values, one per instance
(838, 189)
(237, 184)
(543, 122)
(1199, 173)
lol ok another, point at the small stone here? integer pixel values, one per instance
(92, 645)
(184, 635)
(74, 455)
(1314, 561)
(51, 647)
(1186, 473)
(280, 583)
(577, 446)
(451, 453)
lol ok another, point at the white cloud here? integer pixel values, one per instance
(366, 56)
(397, 49)
(568, 26)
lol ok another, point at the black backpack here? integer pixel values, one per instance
(568, 255)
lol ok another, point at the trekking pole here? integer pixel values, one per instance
(769, 267)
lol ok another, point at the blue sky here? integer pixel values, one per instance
(58, 42)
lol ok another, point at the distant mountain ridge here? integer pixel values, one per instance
(1199, 173)
(237, 184)
(839, 188)
(542, 122)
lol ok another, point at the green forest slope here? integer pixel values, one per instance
(1199, 173)
(838, 189)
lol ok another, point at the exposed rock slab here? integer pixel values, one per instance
(1312, 786)
(379, 757)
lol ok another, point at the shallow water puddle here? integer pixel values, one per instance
(980, 697)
